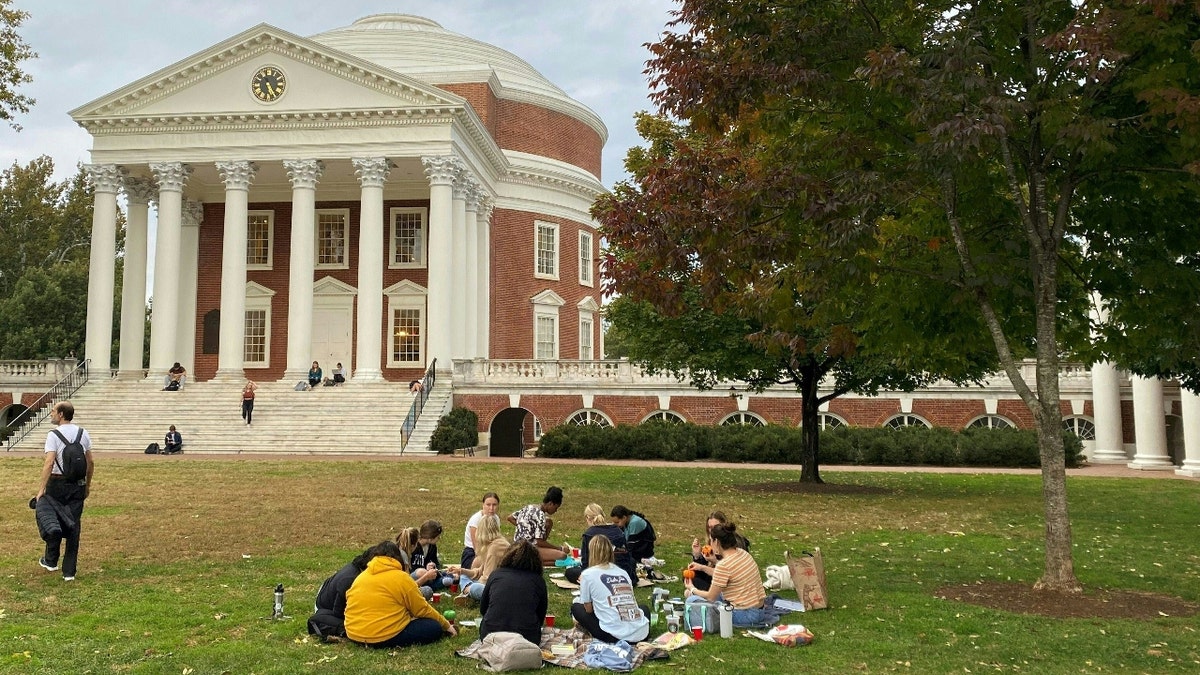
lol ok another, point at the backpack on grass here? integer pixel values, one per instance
(74, 458)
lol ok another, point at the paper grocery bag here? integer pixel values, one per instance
(808, 575)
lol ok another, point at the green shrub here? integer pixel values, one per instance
(459, 429)
(910, 446)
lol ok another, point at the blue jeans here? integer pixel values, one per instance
(417, 632)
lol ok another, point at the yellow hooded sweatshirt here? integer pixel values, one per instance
(383, 600)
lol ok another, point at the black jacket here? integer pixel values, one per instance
(514, 601)
(53, 519)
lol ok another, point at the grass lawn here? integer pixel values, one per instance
(179, 560)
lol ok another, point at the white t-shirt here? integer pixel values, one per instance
(473, 522)
(54, 444)
(610, 591)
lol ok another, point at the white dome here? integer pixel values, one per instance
(423, 50)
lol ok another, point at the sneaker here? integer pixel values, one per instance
(46, 566)
(68, 578)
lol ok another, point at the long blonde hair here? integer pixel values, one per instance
(600, 551)
(486, 532)
(407, 540)
(594, 515)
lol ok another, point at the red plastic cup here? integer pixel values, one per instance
(697, 632)
(453, 588)
(549, 621)
(437, 597)
(575, 553)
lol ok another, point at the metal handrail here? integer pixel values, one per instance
(418, 404)
(27, 422)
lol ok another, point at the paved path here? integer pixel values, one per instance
(1094, 470)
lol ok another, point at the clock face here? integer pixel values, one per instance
(268, 84)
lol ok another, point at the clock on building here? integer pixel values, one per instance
(268, 84)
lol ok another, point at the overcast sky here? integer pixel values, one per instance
(592, 49)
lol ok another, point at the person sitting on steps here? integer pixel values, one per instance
(173, 442)
(175, 378)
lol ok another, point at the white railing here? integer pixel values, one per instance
(30, 371)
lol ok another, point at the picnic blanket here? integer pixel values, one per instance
(555, 642)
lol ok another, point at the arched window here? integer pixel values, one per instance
(991, 422)
(667, 416)
(1082, 427)
(745, 418)
(592, 417)
(901, 421)
(830, 421)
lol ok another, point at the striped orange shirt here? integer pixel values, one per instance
(738, 578)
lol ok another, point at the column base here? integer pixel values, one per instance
(1151, 464)
(295, 376)
(1109, 457)
(229, 375)
(131, 375)
(1189, 468)
(364, 375)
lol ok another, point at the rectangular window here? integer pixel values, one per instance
(407, 239)
(406, 335)
(258, 239)
(586, 353)
(546, 251)
(255, 353)
(332, 238)
(585, 258)
(547, 338)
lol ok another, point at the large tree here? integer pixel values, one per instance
(989, 129)
(704, 293)
(13, 50)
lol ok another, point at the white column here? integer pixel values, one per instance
(484, 289)
(106, 180)
(232, 346)
(189, 263)
(458, 267)
(304, 174)
(138, 193)
(441, 171)
(372, 249)
(163, 322)
(1191, 434)
(470, 297)
(1150, 425)
(1106, 407)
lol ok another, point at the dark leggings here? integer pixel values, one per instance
(247, 409)
(591, 623)
(417, 632)
(70, 495)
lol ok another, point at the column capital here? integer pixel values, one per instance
(193, 213)
(475, 194)
(485, 205)
(442, 169)
(237, 174)
(170, 175)
(139, 190)
(464, 183)
(105, 177)
(304, 173)
(372, 171)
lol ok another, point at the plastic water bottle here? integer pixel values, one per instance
(726, 615)
(278, 613)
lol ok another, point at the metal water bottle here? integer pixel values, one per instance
(278, 613)
(726, 615)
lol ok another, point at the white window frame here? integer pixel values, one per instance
(744, 418)
(586, 262)
(668, 416)
(1072, 423)
(903, 420)
(991, 422)
(345, 263)
(258, 299)
(546, 305)
(589, 416)
(270, 240)
(423, 245)
(555, 254)
(587, 328)
(407, 295)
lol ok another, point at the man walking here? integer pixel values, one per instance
(69, 494)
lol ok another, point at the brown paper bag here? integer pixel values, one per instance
(808, 574)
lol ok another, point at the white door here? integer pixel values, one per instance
(331, 337)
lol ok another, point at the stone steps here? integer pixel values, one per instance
(355, 418)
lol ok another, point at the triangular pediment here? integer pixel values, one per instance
(257, 290)
(405, 287)
(216, 84)
(331, 286)
(548, 297)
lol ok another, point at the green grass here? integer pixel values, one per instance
(179, 560)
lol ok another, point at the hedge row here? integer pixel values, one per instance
(911, 446)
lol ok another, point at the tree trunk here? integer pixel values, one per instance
(810, 429)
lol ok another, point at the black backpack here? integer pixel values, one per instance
(74, 457)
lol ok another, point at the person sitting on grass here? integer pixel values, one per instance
(534, 525)
(599, 526)
(384, 609)
(639, 533)
(515, 598)
(606, 607)
(492, 547)
(706, 559)
(328, 621)
(735, 580)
